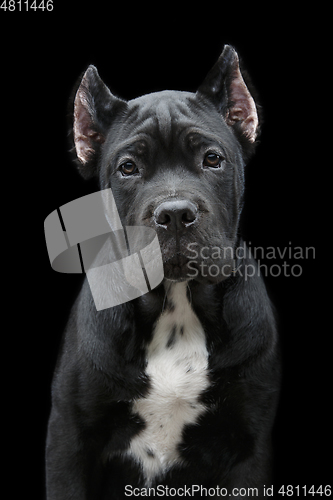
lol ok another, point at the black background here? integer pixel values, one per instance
(138, 51)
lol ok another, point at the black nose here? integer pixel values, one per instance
(175, 215)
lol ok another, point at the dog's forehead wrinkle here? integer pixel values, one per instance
(163, 108)
(169, 116)
(163, 116)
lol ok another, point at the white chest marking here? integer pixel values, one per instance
(177, 366)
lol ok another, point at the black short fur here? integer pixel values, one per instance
(101, 369)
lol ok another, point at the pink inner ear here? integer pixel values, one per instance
(82, 125)
(82, 120)
(243, 108)
(84, 133)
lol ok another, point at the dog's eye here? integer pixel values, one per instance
(128, 168)
(212, 160)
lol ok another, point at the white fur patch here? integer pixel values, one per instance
(177, 366)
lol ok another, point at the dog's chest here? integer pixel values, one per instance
(177, 362)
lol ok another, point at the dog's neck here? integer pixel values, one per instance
(176, 293)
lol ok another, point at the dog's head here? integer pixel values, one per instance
(174, 161)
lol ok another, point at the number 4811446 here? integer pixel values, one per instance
(20, 5)
(290, 491)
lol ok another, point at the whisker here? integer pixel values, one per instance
(190, 293)
(167, 287)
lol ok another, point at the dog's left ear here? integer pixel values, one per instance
(226, 88)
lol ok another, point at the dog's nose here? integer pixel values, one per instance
(175, 215)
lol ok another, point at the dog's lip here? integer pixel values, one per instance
(175, 266)
(178, 259)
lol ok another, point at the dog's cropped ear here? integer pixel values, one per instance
(226, 88)
(95, 107)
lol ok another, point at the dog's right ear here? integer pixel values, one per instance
(95, 107)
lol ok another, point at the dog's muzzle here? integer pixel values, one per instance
(175, 220)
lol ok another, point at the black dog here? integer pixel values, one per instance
(178, 388)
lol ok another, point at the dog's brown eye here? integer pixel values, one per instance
(128, 168)
(212, 160)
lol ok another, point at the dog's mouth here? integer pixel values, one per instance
(180, 267)
(176, 267)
